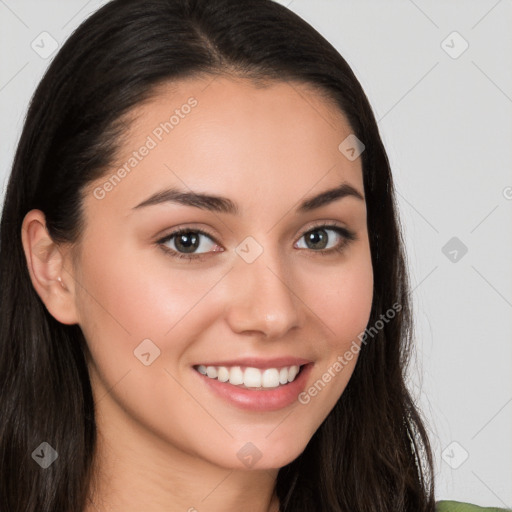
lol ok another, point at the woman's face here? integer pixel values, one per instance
(268, 289)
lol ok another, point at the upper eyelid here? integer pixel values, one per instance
(319, 224)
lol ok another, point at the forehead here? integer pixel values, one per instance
(280, 138)
(283, 112)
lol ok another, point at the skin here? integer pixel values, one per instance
(165, 443)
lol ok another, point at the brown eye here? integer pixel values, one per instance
(185, 242)
(318, 238)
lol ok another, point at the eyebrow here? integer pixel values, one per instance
(224, 205)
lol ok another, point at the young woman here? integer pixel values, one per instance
(204, 297)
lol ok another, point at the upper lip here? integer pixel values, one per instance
(255, 362)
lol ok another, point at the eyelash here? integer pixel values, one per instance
(347, 237)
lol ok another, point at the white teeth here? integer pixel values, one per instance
(292, 373)
(223, 374)
(251, 377)
(236, 375)
(270, 378)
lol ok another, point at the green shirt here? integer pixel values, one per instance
(457, 506)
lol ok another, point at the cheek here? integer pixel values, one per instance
(130, 286)
(129, 298)
(129, 295)
(341, 297)
(342, 300)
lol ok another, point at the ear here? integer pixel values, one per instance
(50, 272)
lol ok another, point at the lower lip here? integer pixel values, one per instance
(271, 399)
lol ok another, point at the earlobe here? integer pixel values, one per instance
(48, 268)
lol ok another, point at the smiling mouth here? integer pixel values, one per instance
(251, 378)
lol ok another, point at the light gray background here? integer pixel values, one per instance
(446, 123)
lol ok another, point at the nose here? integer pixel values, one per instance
(261, 298)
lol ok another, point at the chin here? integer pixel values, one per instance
(266, 454)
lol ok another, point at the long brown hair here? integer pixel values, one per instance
(372, 451)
